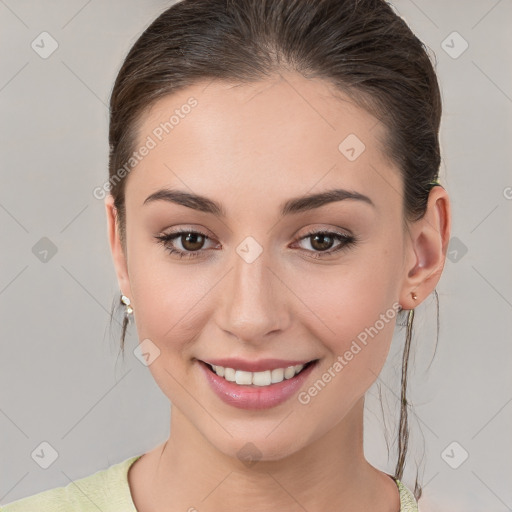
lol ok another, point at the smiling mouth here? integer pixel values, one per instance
(262, 378)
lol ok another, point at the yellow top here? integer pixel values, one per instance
(108, 490)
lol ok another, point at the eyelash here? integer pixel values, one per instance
(349, 240)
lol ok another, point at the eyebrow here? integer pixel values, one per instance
(292, 206)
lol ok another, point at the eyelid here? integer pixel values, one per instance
(329, 230)
(189, 228)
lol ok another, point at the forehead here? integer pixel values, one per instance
(281, 136)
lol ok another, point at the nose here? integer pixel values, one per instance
(253, 304)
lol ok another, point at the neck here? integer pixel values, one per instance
(330, 473)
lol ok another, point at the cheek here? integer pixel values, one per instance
(168, 298)
(343, 302)
(169, 314)
(353, 314)
(356, 356)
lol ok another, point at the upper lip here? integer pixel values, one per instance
(255, 366)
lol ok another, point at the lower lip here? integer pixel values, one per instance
(255, 397)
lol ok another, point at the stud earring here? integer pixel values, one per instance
(126, 301)
(414, 296)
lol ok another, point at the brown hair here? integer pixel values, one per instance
(362, 47)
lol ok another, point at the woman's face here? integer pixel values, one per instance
(255, 284)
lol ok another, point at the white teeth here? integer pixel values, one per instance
(229, 374)
(277, 375)
(289, 372)
(242, 377)
(264, 378)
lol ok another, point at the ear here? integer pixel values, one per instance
(118, 255)
(426, 247)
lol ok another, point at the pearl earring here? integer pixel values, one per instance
(126, 301)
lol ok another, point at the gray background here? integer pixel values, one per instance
(61, 380)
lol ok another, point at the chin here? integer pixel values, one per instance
(251, 449)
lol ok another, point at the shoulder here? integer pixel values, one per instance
(408, 502)
(106, 490)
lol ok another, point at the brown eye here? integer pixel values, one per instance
(192, 241)
(321, 241)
